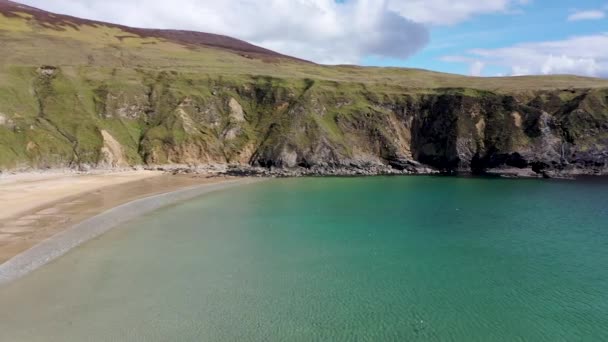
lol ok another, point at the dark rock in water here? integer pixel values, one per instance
(257, 171)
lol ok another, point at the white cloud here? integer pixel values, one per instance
(581, 55)
(587, 15)
(320, 30)
(324, 31)
(449, 12)
(477, 68)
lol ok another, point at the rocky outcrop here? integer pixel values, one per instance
(112, 155)
(276, 127)
(3, 120)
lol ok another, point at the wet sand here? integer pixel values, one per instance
(35, 207)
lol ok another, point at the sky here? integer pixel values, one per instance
(471, 37)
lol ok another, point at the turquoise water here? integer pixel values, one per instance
(359, 259)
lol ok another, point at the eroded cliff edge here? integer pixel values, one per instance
(84, 117)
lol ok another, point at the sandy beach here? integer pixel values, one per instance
(38, 206)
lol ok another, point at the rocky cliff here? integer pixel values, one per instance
(67, 117)
(84, 94)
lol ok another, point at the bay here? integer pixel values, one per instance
(337, 259)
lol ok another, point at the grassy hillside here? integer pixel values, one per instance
(30, 39)
(76, 92)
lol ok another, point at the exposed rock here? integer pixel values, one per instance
(369, 170)
(47, 70)
(211, 116)
(288, 158)
(231, 133)
(514, 172)
(31, 146)
(111, 154)
(187, 123)
(292, 130)
(122, 105)
(517, 119)
(236, 111)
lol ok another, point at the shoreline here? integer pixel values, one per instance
(40, 205)
(36, 206)
(379, 170)
(91, 227)
(78, 218)
(407, 168)
(31, 191)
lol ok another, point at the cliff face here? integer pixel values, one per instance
(87, 116)
(78, 93)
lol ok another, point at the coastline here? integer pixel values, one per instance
(409, 168)
(31, 191)
(33, 237)
(40, 207)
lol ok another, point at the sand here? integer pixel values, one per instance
(36, 207)
(23, 192)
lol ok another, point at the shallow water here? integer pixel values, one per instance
(332, 259)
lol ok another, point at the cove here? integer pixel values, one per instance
(336, 259)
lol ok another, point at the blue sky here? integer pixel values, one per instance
(536, 22)
(477, 37)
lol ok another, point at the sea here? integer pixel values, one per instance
(415, 258)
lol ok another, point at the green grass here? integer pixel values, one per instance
(133, 88)
(32, 44)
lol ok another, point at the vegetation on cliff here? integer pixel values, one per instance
(76, 92)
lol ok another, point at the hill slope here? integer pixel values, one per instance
(76, 92)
